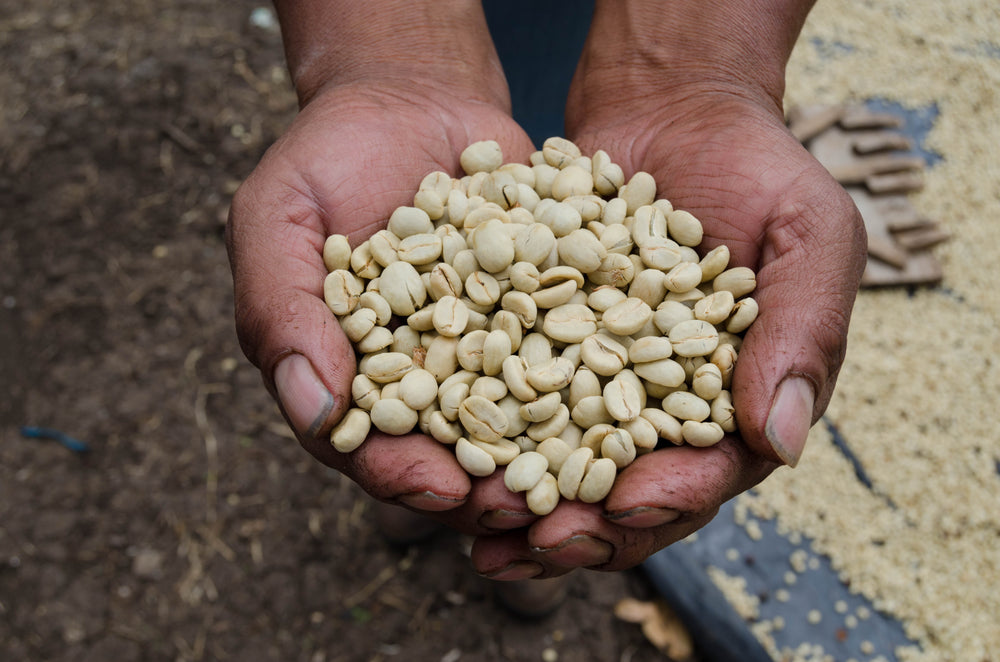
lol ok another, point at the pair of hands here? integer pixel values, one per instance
(357, 150)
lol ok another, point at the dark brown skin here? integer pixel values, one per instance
(673, 89)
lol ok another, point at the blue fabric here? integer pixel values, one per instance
(539, 43)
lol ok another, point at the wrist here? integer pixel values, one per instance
(644, 55)
(409, 43)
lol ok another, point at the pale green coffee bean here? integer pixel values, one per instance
(457, 207)
(516, 424)
(734, 339)
(622, 400)
(552, 427)
(392, 416)
(535, 348)
(364, 391)
(363, 263)
(648, 285)
(605, 296)
(583, 161)
(405, 221)
(388, 367)
(630, 377)
(503, 451)
(690, 365)
(524, 471)
(707, 381)
(598, 481)
(648, 224)
(540, 409)
(594, 435)
(482, 156)
(660, 253)
(589, 206)
(465, 263)
(441, 358)
(482, 288)
(616, 269)
(491, 388)
(437, 181)
(357, 325)
(619, 447)
(509, 323)
(604, 355)
(549, 376)
(590, 411)
(405, 340)
(555, 451)
(524, 277)
(443, 430)
(342, 291)
(693, 338)
(515, 376)
(583, 385)
(723, 412)
(474, 459)
(522, 307)
(483, 419)
(671, 313)
(572, 471)
(477, 309)
(738, 280)
(336, 252)
(450, 316)
(561, 218)
(544, 176)
(608, 176)
(522, 174)
(572, 181)
(686, 406)
(744, 314)
(650, 348)
(684, 228)
(667, 427)
(421, 248)
(500, 188)
(534, 243)
(496, 348)
(376, 302)
(390, 391)
(559, 152)
(526, 444)
(429, 202)
(644, 435)
(714, 263)
(627, 317)
(521, 215)
(617, 239)
(639, 191)
(552, 260)
(659, 391)
(418, 389)
(715, 307)
(560, 274)
(494, 248)
(351, 431)
(377, 339)
(663, 205)
(665, 372)
(615, 212)
(572, 354)
(684, 277)
(581, 250)
(402, 288)
(544, 497)
(451, 397)
(479, 216)
(570, 323)
(423, 319)
(554, 295)
(702, 433)
(444, 281)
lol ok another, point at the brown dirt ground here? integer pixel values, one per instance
(196, 528)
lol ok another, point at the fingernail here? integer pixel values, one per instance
(790, 418)
(427, 501)
(305, 399)
(515, 571)
(579, 551)
(506, 519)
(643, 517)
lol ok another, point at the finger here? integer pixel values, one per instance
(509, 557)
(812, 258)
(275, 241)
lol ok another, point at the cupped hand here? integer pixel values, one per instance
(354, 153)
(729, 160)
